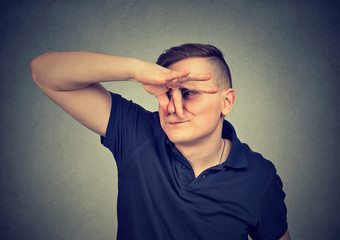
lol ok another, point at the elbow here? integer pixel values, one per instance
(34, 69)
(38, 66)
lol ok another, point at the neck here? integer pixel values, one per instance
(205, 153)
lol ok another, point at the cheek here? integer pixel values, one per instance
(161, 120)
(206, 107)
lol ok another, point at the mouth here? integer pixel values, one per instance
(177, 123)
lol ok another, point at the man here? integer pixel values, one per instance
(182, 172)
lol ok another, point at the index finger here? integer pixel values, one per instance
(180, 77)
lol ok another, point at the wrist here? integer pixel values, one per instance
(136, 68)
(120, 68)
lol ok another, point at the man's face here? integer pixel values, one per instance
(202, 111)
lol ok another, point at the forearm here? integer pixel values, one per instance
(71, 80)
(73, 70)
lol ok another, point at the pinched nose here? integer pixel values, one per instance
(175, 103)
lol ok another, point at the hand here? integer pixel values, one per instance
(158, 80)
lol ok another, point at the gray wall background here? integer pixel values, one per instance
(58, 182)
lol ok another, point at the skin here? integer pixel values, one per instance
(193, 120)
(72, 80)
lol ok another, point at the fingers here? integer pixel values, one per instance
(196, 77)
(174, 75)
(199, 87)
(172, 105)
(182, 74)
(180, 77)
(177, 98)
(193, 86)
(176, 81)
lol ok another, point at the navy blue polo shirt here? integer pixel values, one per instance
(160, 198)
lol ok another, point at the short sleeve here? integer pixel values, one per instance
(272, 219)
(129, 125)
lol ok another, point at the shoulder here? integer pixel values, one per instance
(260, 170)
(257, 162)
(128, 112)
(129, 125)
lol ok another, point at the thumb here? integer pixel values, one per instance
(163, 103)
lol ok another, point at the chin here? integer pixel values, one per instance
(178, 139)
(182, 139)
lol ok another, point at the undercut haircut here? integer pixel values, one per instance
(191, 50)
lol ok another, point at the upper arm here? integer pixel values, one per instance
(272, 214)
(91, 105)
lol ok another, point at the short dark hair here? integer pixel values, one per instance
(189, 50)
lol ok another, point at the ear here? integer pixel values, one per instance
(228, 100)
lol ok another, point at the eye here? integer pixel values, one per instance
(186, 93)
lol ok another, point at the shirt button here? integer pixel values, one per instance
(183, 166)
(203, 176)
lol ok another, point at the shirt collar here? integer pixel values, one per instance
(236, 157)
